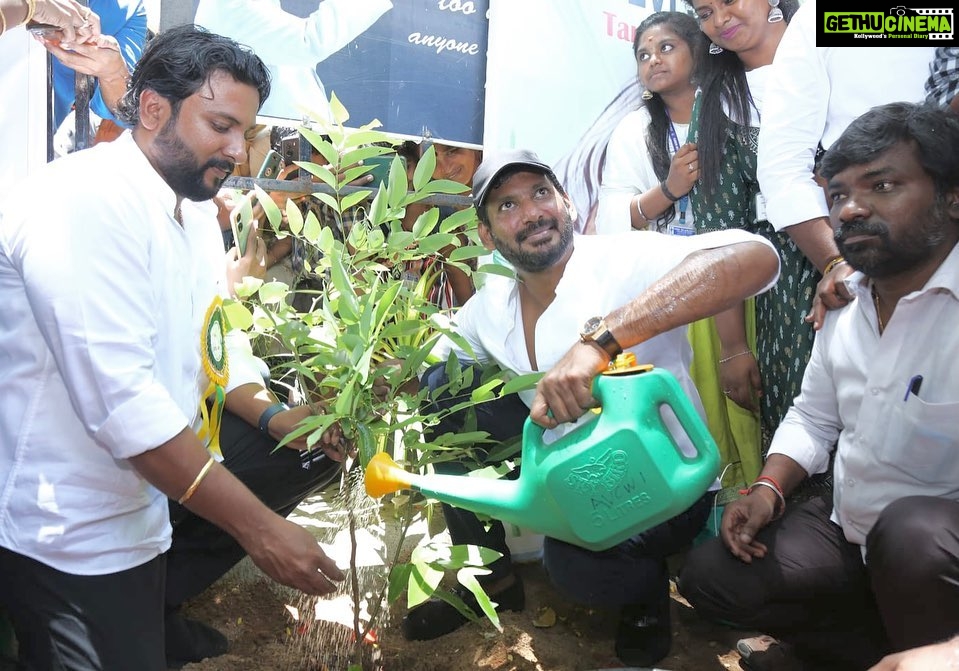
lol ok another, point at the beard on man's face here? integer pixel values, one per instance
(885, 256)
(178, 165)
(539, 259)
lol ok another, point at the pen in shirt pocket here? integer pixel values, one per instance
(913, 388)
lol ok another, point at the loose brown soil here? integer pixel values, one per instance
(252, 612)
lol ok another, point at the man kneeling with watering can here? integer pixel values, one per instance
(576, 303)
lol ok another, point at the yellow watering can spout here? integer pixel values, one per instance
(384, 476)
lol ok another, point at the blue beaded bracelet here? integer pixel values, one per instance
(267, 415)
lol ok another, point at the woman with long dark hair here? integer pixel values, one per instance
(744, 36)
(648, 159)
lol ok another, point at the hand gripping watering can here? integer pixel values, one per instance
(603, 482)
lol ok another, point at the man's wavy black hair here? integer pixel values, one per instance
(179, 60)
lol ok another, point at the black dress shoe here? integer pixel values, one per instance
(437, 618)
(190, 641)
(644, 634)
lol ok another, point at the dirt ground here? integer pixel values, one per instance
(253, 613)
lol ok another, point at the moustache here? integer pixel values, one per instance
(534, 228)
(226, 166)
(859, 228)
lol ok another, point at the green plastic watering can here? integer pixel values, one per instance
(607, 480)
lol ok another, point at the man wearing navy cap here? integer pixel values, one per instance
(575, 303)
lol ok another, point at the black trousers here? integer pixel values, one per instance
(84, 623)
(633, 572)
(282, 478)
(813, 590)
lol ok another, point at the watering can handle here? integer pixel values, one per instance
(666, 391)
(659, 387)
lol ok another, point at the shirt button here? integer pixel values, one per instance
(874, 391)
(851, 482)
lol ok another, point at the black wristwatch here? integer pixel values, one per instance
(595, 331)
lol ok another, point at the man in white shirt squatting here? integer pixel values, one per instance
(875, 567)
(636, 291)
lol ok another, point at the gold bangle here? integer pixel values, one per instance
(196, 482)
(832, 264)
(3, 23)
(31, 10)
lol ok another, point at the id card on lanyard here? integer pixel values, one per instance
(679, 227)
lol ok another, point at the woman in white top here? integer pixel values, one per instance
(649, 166)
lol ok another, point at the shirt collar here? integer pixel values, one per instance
(945, 278)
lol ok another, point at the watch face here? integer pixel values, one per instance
(591, 325)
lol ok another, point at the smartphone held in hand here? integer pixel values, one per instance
(241, 221)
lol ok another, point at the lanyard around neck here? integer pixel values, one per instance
(674, 143)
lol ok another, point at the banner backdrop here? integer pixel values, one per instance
(560, 76)
(420, 70)
(555, 76)
(419, 66)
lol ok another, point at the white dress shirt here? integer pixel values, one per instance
(23, 114)
(292, 46)
(628, 172)
(103, 296)
(604, 273)
(890, 444)
(812, 95)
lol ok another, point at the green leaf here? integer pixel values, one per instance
(247, 287)
(497, 269)
(521, 383)
(485, 391)
(467, 253)
(353, 173)
(378, 209)
(338, 111)
(399, 577)
(294, 217)
(435, 243)
(270, 209)
(273, 292)
(321, 172)
(424, 169)
(327, 199)
(422, 583)
(396, 189)
(237, 315)
(401, 240)
(426, 223)
(355, 198)
(369, 137)
(464, 438)
(467, 578)
(460, 219)
(386, 302)
(316, 233)
(354, 156)
(341, 281)
(365, 443)
(446, 186)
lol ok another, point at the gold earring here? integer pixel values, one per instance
(647, 94)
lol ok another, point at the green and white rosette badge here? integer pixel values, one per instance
(217, 368)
